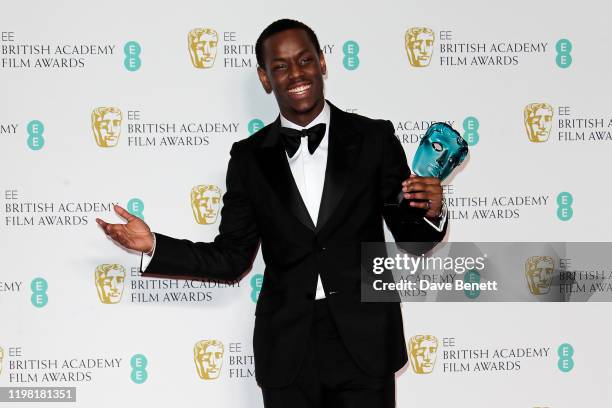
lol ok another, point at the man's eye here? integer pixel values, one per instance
(305, 61)
(436, 146)
(279, 67)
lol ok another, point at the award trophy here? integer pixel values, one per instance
(441, 150)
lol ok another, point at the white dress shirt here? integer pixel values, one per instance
(308, 172)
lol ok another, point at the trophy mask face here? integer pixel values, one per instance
(423, 353)
(441, 150)
(110, 282)
(419, 46)
(539, 272)
(208, 357)
(538, 120)
(106, 124)
(205, 203)
(203, 47)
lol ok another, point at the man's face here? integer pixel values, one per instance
(420, 49)
(539, 276)
(424, 356)
(205, 203)
(107, 129)
(110, 285)
(203, 49)
(294, 71)
(209, 360)
(440, 151)
(539, 124)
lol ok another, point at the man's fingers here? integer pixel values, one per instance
(432, 209)
(101, 223)
(123, 213)
(422, 196)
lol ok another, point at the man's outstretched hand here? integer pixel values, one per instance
(134, 235)
(426, 193)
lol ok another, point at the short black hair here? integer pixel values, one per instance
(277, 27)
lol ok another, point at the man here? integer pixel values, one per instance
(311, 201)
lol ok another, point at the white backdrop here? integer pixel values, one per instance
(67, 336)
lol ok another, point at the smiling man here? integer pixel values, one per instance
(310, 187)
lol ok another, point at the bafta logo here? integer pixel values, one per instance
(423, 350)
(205, 203)
(208, 357)
(539, 273)
(1, 359)
(419, 46)
(538, 121)
(106, 125)
(203, 47)
(109, 282)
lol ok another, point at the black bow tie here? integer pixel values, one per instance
(292, 138)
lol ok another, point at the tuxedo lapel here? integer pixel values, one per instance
(272, 160)
(344, 143)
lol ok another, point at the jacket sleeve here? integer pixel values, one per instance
(233, 250)
(405, 223)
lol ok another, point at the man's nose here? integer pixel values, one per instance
(295, 71)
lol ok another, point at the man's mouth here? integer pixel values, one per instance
(299, 91)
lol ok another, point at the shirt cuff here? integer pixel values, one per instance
(441, 221)
(146, 258)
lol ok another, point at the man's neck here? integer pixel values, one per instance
(322, 117)
(303, 119)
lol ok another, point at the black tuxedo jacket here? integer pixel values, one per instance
(365, 167)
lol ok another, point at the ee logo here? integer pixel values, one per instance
(135, 207)
(564, 201)
(565, 353)
(471, 276)
(256, 281)
(351, 55)
(39, 292)
(564, 56)
(254, 125)
(132, 60)
(470, 128)
(36, 141)
(138, 362)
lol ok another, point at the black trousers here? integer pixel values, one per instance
(329, 377)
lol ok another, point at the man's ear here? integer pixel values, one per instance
(263, 78)
(322, 63)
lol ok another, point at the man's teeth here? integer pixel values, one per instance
(299, 89)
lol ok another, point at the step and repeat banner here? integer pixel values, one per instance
(139, 104)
